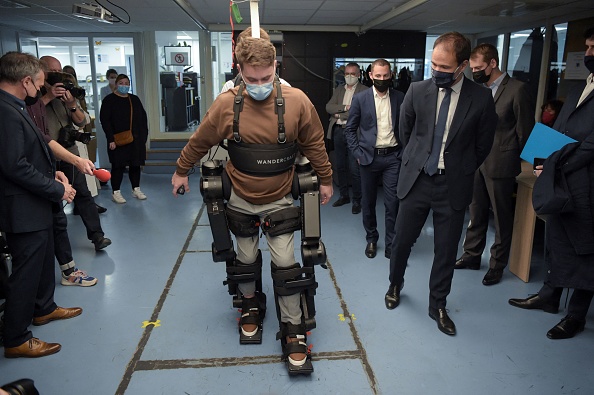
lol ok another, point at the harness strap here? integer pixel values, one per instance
(237, 108)
(279, 109)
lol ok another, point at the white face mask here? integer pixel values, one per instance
(112, 81)
(350, 80)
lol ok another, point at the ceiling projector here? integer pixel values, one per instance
(92, 11)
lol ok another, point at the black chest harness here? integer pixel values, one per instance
(263, 160)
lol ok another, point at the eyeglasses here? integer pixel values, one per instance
(351, 74)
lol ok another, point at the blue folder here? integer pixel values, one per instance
(543, 141)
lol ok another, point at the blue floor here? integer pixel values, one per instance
(160, 320)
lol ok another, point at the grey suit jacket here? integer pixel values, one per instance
(335, 106)
(27, 184)
(515, 109)
(469, 139)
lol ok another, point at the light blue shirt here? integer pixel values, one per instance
(495, 85)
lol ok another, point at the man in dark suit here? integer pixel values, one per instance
(28, 195)
(495, 180)
(375, 113)
(568, 268)
(444, 144)
(347, 167)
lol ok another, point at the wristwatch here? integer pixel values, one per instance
(73, 109)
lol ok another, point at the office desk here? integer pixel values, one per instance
(524, 220)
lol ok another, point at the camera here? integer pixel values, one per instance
(21, 387)
(68, 136)
(54, 77)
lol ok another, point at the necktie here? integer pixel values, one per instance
(431, 165)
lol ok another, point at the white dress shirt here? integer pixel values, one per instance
(383, 112)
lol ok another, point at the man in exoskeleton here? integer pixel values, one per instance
(266, 124)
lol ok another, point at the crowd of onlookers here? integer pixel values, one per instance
(443, 145)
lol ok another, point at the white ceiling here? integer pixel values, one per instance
(472, 17)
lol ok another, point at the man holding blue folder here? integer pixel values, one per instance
(572, 253)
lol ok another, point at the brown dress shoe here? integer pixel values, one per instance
(60, 313)
(32, 348)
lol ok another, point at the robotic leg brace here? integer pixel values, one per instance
(296, 279)
(215, 189)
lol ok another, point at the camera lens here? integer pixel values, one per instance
(21, 387)
(78, 93)
(84, 138)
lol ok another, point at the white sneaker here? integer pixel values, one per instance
(138, 194)
(118, 198)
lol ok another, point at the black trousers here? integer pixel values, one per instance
(62, 247)
(117, 175)
(83, 201)
(31, 284)
(579, 303)
(428, 193)
(346, 166)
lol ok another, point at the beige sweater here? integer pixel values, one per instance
(258, 123)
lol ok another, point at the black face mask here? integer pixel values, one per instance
(480, 76)
(589, 63)
(31, 100)
(382, 85)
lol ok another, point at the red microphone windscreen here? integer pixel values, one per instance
(102, 175)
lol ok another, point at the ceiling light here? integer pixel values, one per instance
(401, 9)
(12, 4)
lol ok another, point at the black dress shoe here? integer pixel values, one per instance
(444, 323)
(392, 298)
(371, 250)
(493, 276)
(341, 201)
(356, 208)
(101, 243)
(535, 302)
(467, 264)
(567, 328)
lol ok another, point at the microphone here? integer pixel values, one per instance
(102, 175)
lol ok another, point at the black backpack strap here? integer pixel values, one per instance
(279, 109)
(237, 108)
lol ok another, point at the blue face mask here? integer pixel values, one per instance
(259, 92)
(443, 79)
(123, 89)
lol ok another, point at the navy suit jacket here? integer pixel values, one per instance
(362, 116)
(469, 139)
(27, 171)
(577, 122)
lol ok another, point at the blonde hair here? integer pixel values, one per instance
(255, 52)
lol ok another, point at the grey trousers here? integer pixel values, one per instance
(281, 251)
